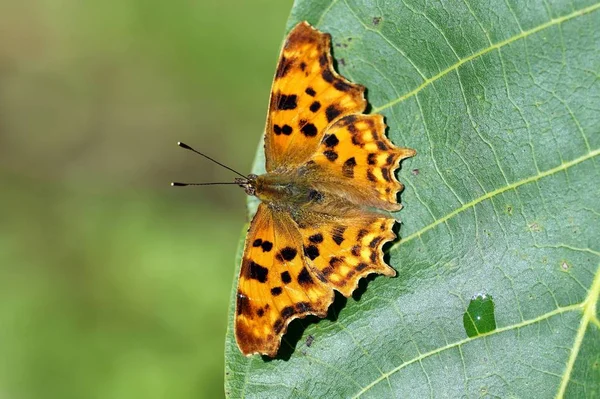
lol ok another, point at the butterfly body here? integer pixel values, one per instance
(326, 196)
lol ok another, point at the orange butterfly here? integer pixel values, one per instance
(325, 199)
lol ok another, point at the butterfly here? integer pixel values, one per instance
(326, 196)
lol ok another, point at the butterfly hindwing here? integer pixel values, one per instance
(355, 153)
(343, 252)
(307, 96)
(276, 285)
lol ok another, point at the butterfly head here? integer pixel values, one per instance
(247, 183)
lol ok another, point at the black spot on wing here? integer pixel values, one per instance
(390, 159)
(278, 326)
(375, 242)
(327, 76)
(303, 307)
(304, 277)
(283, 67)
(372, 159)
(330, 155)
(327, 272)
(331, 140)
(373, 256)
(342, 86)
(267, 246)
(286, 129)
(332, 112)
(286, 278)
(382, 146)
(335, 261)
(316, 238)
(275, 291)
(314, 195)
(287, 254)
(257, 272)
(312, 252)
(286, 102)
(371, 176)
(243, 304)
(310, 91)
(287, 312)
(348, 167)
(309, 130)
(257, 242)
(361, 234)
(315, 106)
(337, 234)
(386, 174)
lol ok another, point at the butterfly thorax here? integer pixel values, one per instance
(300, 196)
(281, 189)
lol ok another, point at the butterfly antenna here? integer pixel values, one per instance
(179, 184)
(187, 147)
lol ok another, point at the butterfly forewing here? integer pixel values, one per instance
(275, 284)
(307, 96)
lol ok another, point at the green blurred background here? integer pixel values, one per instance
(112, 283)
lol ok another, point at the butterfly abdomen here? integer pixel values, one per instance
(285, 190)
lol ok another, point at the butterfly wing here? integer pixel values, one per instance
(343, 251)
(275, 284)
(307, 96)
(355, 157)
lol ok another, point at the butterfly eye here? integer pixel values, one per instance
(314, 195)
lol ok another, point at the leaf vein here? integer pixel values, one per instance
(458, 344)
(524, 34)
(512, 186)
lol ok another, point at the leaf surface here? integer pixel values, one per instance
(501, 100)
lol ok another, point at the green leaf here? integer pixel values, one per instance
(501, 100)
